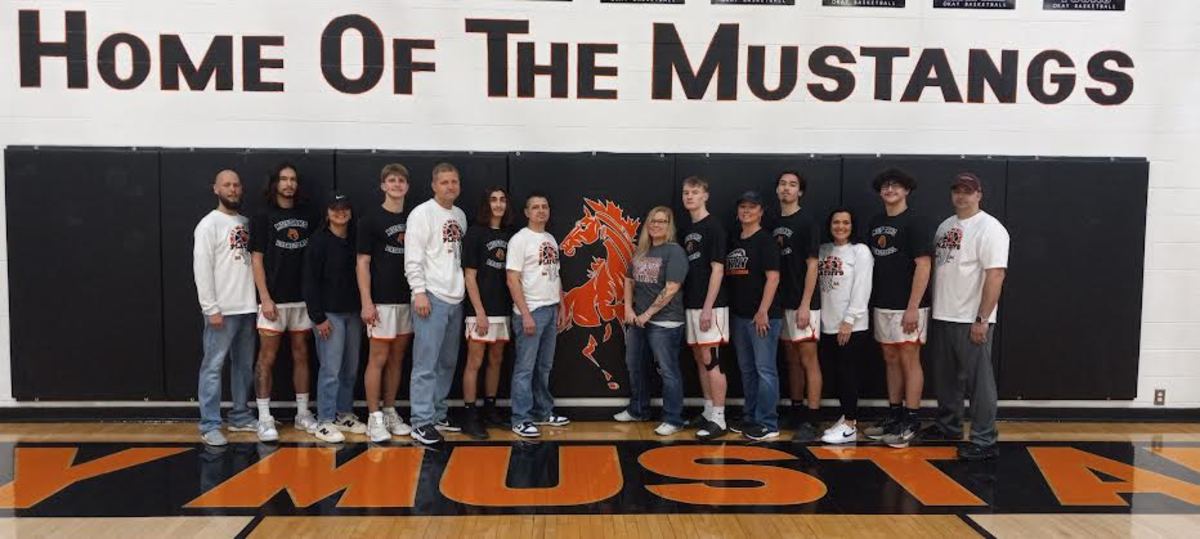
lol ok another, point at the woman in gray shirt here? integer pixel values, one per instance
(654, 320)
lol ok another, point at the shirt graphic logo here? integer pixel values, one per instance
(948, 244)
(782, 235)
(646, 269)
(239, 241)
(691, 244)
(885, 243)
(451, 232)
(828, 270)
(548, 254)
(736, 262)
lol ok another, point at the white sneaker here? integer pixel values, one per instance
(306, 422)
(840, 433)
(377, 429)
(350, 423)
(214, 438)
(395, 424)
(526, 430)
(626, 417)
(666, 429)
(329, 433)
(266, 430)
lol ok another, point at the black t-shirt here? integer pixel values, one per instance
(281, 234)
(381, 235)
(896, 242)
(704, 242)
(746, 268)
(798, 240)
(484, 249)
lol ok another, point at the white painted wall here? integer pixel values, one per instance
(451, 110)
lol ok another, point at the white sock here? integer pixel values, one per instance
(264, 408)
(302, 403)
(390, 410)
(377, 416)
(708, 409)
(718, 415)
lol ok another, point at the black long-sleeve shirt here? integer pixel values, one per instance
(330, 284)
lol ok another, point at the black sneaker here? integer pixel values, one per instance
(759, 433)
(934, 433)
(710, 431)
(737, 425)
(902, 434)
(887, 426)
(445, 425)
(806, 432)
(697, 421)
(473, 427)
(427, 435)
(972, 452)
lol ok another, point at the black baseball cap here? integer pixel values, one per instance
(968, 181)
(752, 197)
(339, 201)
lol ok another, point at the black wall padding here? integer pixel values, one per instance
(358, 177)
(730, 175)
(634, 183)
(932, 200)
(84, 277)
(1072, 308)
(187, 196)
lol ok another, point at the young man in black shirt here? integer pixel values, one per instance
(489, 308)
(902, 244)
(384, 294)
(706, 310)
(799, 240)
(752, 276)
(278, 237)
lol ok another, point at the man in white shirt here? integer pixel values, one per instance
(433, 267)
(532, 264)
(225, 288)
(971, 257)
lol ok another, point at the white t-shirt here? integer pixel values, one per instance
(844, 276)
(963, 250)
(221, 264)
(433, 251)
(535, 255)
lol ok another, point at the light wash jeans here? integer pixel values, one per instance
(234, 339)
(435, 356)
(533, 359)
(338, 356)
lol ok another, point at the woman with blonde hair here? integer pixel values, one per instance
(654, 319)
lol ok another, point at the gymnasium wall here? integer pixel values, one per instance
(636, 80)
(120, 241)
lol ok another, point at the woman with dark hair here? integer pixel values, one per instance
(331, 296)
(844, 274)
(483, 255)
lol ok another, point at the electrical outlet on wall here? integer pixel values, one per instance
(1160, 397)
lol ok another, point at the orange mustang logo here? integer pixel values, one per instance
(600, 301)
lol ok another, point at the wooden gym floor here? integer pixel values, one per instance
(595, 479)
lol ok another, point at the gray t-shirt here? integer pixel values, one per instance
(650, 273)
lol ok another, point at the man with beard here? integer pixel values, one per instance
(225, 288)
(277, 240)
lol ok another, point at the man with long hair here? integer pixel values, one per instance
(485, 249)
(278, 237)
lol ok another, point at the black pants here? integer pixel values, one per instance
(844, 360)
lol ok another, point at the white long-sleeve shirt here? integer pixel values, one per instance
(433, 251)
(844, 274)
(221, 265)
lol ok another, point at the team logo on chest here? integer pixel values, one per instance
(239, 241)
(885, 243)
(948, 244)
(737, 263)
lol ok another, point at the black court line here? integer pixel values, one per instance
(246, 531)
(976, 526)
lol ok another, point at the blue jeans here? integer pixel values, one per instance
(760, 375)
(338, 356)
(235, 339)
(662, 343)
(435, 356)
(532, 361)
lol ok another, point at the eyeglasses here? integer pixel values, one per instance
(890, 185)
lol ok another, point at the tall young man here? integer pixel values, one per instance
(706, 309)
(532, 265)
(433, 266)
(971, 249)
(799, 242)
(225, 289)
(384, 295)
(278, 237)
(902, 244)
